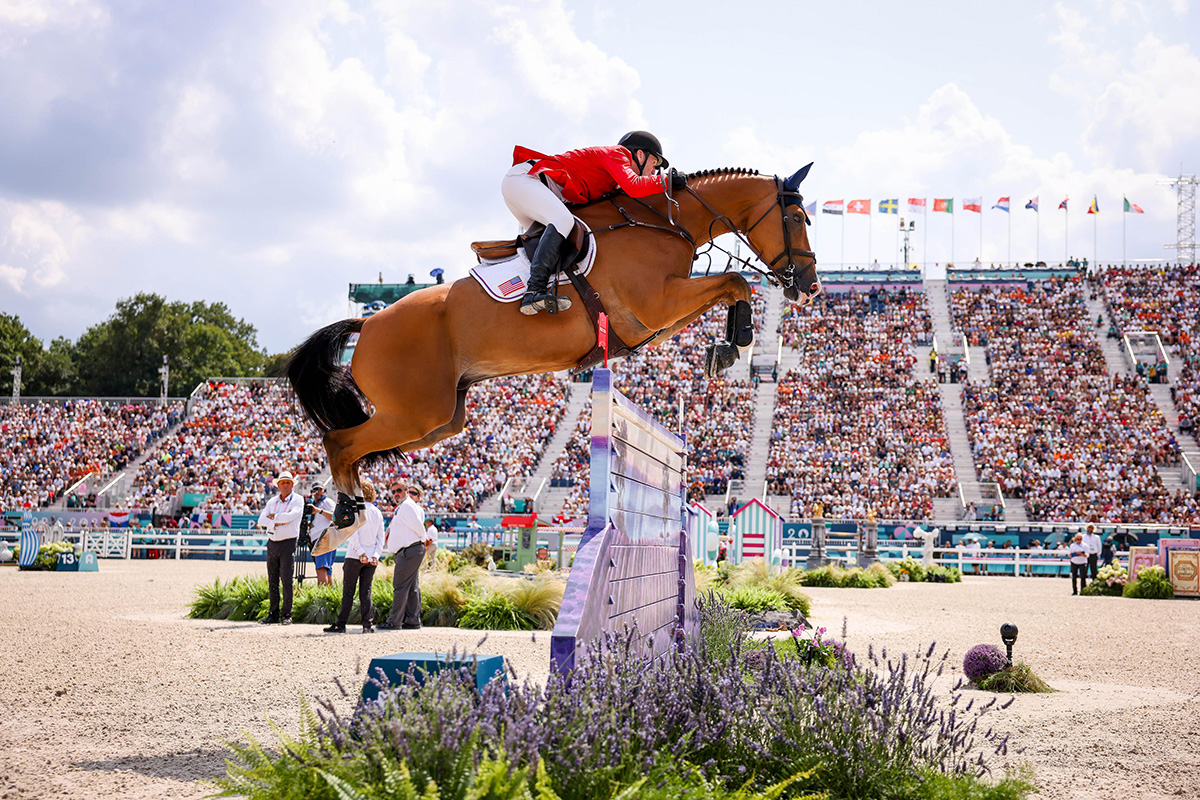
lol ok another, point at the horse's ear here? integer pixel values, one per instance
(792, 184)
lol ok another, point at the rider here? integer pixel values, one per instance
(537, 186)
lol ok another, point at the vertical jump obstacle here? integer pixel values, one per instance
(634, 563)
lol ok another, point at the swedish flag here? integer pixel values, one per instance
(889, 206)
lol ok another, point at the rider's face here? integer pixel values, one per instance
(651, 163)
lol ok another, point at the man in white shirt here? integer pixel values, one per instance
(322, 511)
(281, 518)
(1093, 545)
(363, 549)
(1079, 559)
(407, 538)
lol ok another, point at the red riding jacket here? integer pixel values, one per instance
(592, 172)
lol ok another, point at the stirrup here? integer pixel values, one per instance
(544, 301)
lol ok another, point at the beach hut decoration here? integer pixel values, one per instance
(757, 531)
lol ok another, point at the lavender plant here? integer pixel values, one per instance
(733, 718)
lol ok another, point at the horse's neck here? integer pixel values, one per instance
(731, 197)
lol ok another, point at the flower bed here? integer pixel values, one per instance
(713, 719)
(468, 598)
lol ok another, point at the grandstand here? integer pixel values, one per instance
(994, 394)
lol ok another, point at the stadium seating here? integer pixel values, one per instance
(45, 447)
(854, 428)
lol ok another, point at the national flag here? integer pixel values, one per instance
(1063, 204)
(889, 206)
(1094, 208)
(973, 204)
(1002, 204)
(118, 519)
(512, 286)
(858, 207)
(832, 207)
(1133, 208)
(916, 205)
(1032, 204)
(945, 204)
(811, 208)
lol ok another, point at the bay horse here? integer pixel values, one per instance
(416, 360)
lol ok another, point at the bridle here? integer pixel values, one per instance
(784, 277)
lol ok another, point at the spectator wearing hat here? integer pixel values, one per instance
(322, 511)
(363, 549)
(281, 518)
(407, 538)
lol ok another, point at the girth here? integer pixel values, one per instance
(617, 348)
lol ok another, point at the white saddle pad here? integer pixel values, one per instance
(505, 279)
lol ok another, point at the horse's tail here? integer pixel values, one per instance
(324, 386)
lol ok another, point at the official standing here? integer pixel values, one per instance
(322, 507)
(281, 518)
(1092, 542)
(363, 549)
(1079, 559)
(407, 538)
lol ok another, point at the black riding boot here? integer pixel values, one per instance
(545, 262)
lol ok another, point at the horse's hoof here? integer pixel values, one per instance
(718, 358)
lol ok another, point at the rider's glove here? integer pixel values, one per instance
(678, 180)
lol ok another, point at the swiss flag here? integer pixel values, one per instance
(858, 207)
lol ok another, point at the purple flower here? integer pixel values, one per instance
(983, 660)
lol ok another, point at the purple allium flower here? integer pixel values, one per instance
(983, 660)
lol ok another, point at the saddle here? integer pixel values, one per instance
(579, 242)
(496, 249)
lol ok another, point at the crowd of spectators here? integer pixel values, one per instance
(718, 415)
(1164, 299)
(46, 447)
(509, 423)
(855, 430)
(238, 437)
(1053, 427)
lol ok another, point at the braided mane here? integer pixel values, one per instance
(714, 173)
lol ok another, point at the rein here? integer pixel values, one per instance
(784, 277)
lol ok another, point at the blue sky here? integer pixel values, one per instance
(268, 154)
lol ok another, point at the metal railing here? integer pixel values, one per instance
(1011, 562)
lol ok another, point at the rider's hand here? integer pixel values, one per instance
(678, 180)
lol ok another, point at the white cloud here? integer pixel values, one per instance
(36, 14)
(36, 241)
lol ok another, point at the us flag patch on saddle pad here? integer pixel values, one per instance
(505, 279)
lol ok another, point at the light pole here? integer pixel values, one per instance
(16, 373)
(907, 231)
(165, 371)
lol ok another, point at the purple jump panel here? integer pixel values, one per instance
(634, 564)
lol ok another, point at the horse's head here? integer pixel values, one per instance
(784, 247)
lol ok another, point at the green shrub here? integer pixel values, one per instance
(908, 565)
(1151, 584)
(940, 574)
(314, 604)
(495, 612)
(247, 598)
(476, 554)
(832, 576)
(755, 599)
(210, 599)
(47, 557)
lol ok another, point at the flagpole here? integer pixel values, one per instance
(925, 246)
(870, 230)
(1010, 233)
(1066, 234)
(1037, 248)
(843, 237)
(1124, 214)
(1094, 259)
(951, 233)
(981, 231)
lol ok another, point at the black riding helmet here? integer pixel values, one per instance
(646, 142)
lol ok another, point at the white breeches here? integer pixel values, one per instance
(532, 201)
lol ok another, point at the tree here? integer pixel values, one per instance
(123, 354)
(16, 340)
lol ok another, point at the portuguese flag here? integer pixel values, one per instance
(946, 204)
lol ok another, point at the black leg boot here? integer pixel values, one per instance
(545, 262)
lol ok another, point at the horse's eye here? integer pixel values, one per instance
(796, 217)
